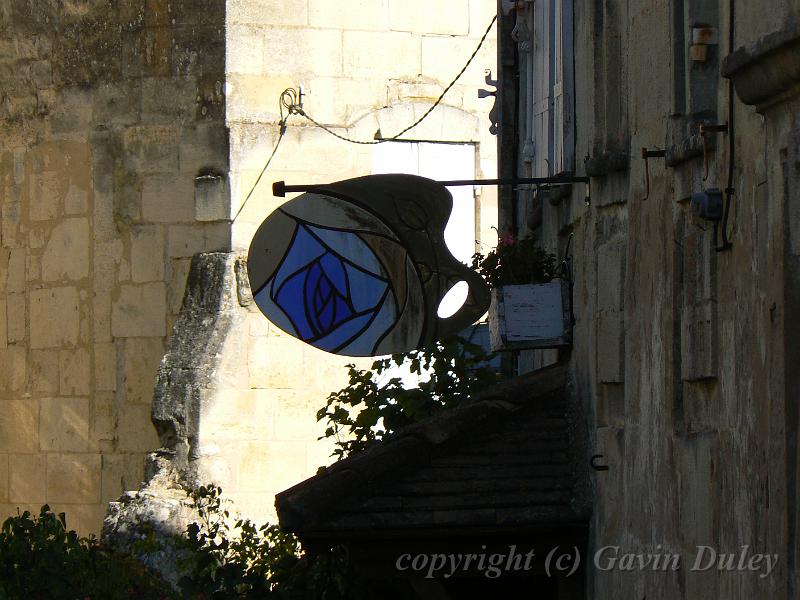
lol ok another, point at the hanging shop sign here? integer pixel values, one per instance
(359, 267)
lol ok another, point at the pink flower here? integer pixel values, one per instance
(507, 239)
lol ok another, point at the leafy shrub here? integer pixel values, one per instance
(366, 411)
(246, 561)
(40, 558)
(515, 262)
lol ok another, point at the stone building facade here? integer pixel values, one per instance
(130, 133)
(683, 346)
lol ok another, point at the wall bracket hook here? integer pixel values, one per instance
(595, 466)
(656, 152)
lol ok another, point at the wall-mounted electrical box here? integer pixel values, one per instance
(708, 204)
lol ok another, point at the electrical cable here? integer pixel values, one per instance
(291, 100)
(726, 244)
(295, 109)
(261, 174)
(292, 96)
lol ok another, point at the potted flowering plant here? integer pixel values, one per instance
(530, 306)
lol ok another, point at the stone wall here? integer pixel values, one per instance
(130, 134)
(108, 113)
(682, 354)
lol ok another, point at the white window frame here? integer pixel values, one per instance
(544, 32)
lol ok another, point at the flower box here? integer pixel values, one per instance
(534, 315)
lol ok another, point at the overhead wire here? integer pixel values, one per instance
(291, 101)
(282, 132)
(300, 111)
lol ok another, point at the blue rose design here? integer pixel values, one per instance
(330, 290)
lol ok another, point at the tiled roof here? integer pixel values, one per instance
(509, 458)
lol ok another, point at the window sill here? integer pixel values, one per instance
(766, 69)
(687, 149)
(605, 163)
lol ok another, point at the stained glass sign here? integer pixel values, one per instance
(359, 267)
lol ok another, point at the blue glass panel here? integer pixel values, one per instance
(325, 288)
(342, 309)
(343, 333)
(304, 250)
(350, 247)
(289, 300)
(385, 320)
(276, 314)
(326, 315)
(310, 295)
(334, 269)
(365, 290)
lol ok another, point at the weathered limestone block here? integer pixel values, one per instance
(371, 54)
(611, 444)
(12, 375)
(241, 415)
(187, 384)
(439, 56)
(4, 478)
(88, 51)
(76, 202)
(611, 347)
(187, 240)
(268, 12)
(15, 274)
(147, 253)
(44, 375)
(211, 197)
(104, 419)
(611, 275)
(185, 376)
(3, 325)
(54, 317)
(44, 196)
(64, 425)
(168, 198)
(27, 477)
(102, 316)
(168, 99)
(105, 367)
(152, 149)
(162, 507)
(117, 103)
(369, 15)
(303, 51)
(140, 311)
(37, 237)
(268, 465)
(699, 327)
(422, 16)
(275, 362)
(15, 318)
(73, 478)
(75, 375)
(135, 432)
(141, 359)
(121, 472)
(204, 146)
(296, 415)
(611, 312)
(245, 49)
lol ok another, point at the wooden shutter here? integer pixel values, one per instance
(542, 88)
(563, 90)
